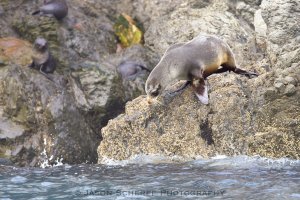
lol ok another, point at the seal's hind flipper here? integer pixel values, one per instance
(245, 73)
(201, 90)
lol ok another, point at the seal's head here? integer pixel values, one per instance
(153, 88)
(41, 44)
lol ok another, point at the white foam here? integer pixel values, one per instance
(145, 159)
(241, 161)
(47, 184)
(45, 162)
(217, 157)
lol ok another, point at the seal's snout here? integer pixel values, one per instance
(149, 100)
(154, 101)
(154, 93)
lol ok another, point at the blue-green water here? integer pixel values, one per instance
(239, 177)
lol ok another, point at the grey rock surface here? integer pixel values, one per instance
(39, 119)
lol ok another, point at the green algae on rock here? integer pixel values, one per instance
(127, 31)
(31, 28)
(48, 28)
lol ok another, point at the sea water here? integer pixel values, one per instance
(238, 177)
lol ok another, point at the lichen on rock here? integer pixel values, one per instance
(15, 51)
(127, 31)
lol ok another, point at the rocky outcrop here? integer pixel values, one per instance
(244, 116)
(42, 122)
(39, 120)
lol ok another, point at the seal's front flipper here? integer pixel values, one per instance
(182, 87)
(201, 90)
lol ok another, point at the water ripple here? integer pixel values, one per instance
(239, 177)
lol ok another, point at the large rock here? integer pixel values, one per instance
(148, 12)
(98, 92)
(244, 116)
(43, 123)
(282, 19)
(48, 122)
(39, 121)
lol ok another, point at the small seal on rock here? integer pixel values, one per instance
(56, 8)
(193, 61)
(130, 70)
(42, 59)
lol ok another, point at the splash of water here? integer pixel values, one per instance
(48, 162)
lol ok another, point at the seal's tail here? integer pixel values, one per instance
(36, 12)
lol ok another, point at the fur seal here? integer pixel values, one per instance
(193, 61)
(42, 59)
(129, 69)
(56, 8)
